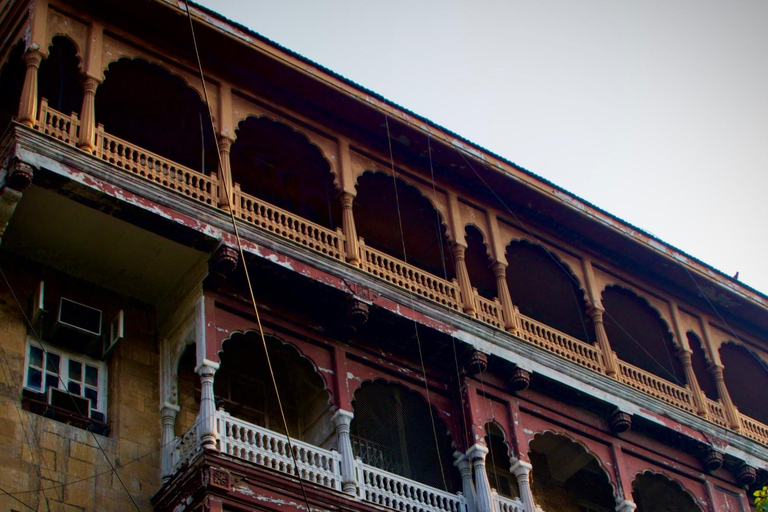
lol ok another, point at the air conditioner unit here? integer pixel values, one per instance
(77, 327)
(76, 404)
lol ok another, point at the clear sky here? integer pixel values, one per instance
(654, 110)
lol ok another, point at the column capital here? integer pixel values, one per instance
(33, 57)
(207, 368)
(90, 84)
(169, 409)
(346, 199)
(595, 309)
(477, 452)
(225, 142)
(521, 468)
(342, 418)
(499, 268)
(462, 462)
(458, 249)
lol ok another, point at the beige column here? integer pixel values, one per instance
(460, 264)
(609, 358)
(507, 308)
(483, 497)
(86, 141)
(467, 485)
(225, 174)
(350, 231)
(342, 421)
(522, 471)
(29, 100)
(716, 370)
(684, 355)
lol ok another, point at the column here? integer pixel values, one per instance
(342, 420)
(350, 231)
(684, 354)
(483, 498)
(626, 506)
(502, 290)
(596, 313)
(460, 264)
(731, 412)
(225, 174)
(168, 418)
(28, 103)
(522, 471)
(88, 115)
(207, 419)
(464, 466)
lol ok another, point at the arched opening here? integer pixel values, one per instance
(11, 83)
(479, 263)
(568, 478)
(639, 335)
(497, 463)
(423, 233)
(243, 384)
(146, 105)
(188, 391)
(700, 364)
(745, 377)
(652, 492)
(545, 289)
(392, 431)
(273, 162)
(59, 77)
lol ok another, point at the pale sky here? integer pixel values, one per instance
(654, 110)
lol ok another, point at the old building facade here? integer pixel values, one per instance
(435, 329)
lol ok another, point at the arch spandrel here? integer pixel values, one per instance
(114, 50)
(469, 215)
(59, 24)
(242, 109)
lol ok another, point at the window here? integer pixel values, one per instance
(65, 386)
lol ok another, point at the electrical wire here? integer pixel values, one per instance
(410, 296)
(70, 395)
(245, 267)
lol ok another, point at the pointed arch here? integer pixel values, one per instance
(60, 75)
(498, 461)
(274, 162)
(479, 261)
(744, 373)
(423, 227)
(148, 105)
(243, 385)
(701, 364)
(639, 335)
(656, 492)
(544, 288)
(566, 471)
(390, 431)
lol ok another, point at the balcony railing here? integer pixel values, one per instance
(394, 491)
(204, 188)
(409, 277)
(287, 225)
(504, 504)
(266, 448)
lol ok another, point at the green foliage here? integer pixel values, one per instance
(761, 499)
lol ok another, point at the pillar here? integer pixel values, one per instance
(464, 466)
(522, 471)
(350, 231)
(225, 174)
(207, 418)
(502, 290)
(88, 115)
(626, 506)
(460, 264)
(342, 420)
(483, 498)
(609, 359)
(168, 420)
(684, 355)
(28, 103)
(716, 370)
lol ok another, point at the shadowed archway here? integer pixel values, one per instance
(653, 492)
(746, 376)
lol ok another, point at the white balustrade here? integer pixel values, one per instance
(394, 491)
(504, 504)
(186, 448)
(261, 446)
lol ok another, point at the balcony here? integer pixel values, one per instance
(263, 447)
(197, 186)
